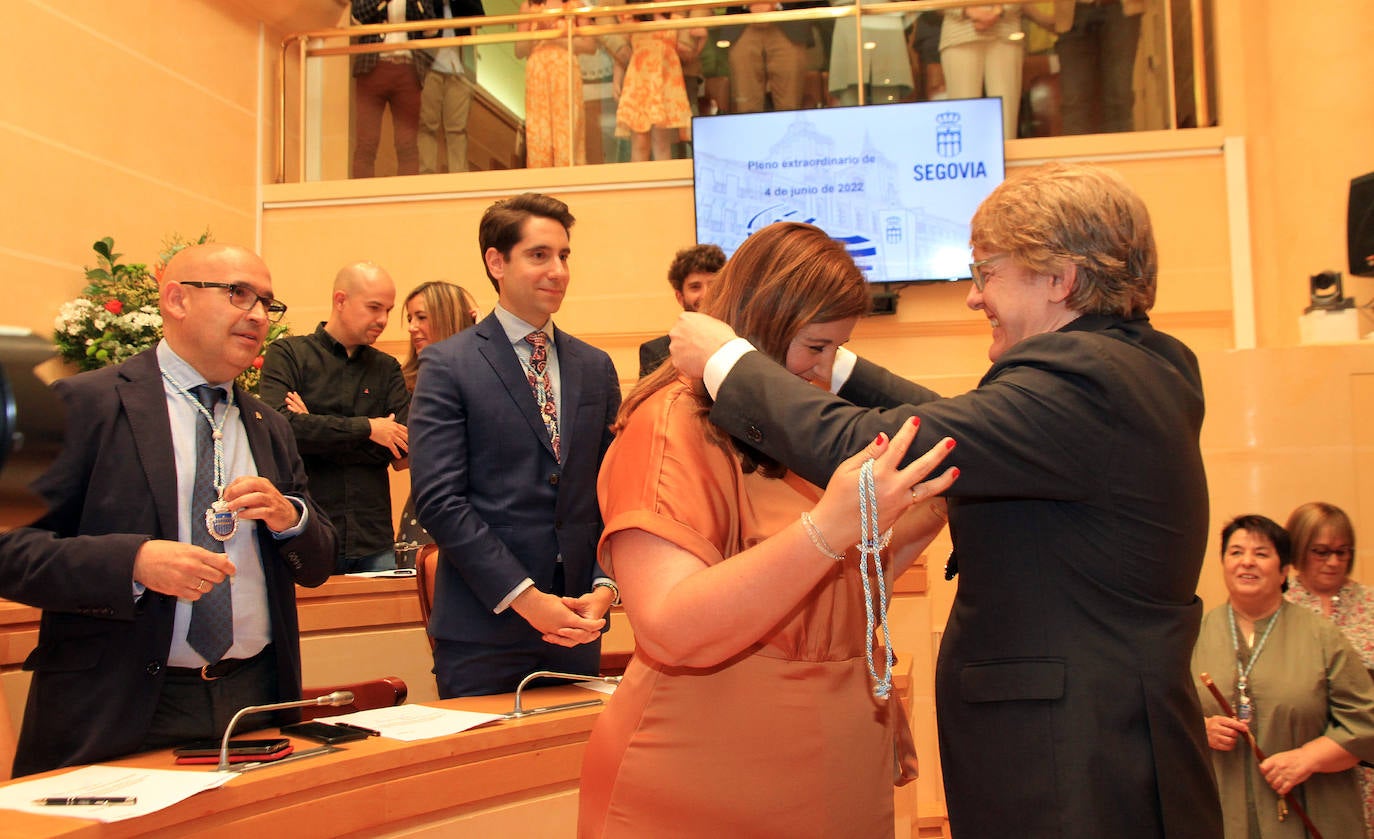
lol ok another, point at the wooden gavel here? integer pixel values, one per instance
(1259, 755)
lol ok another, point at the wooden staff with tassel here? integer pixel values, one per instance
(1260, 757)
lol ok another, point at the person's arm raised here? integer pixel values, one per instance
(687, 613)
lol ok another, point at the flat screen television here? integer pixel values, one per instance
(897, 184)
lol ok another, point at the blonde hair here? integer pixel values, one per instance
(1085, 215)
(450, 309)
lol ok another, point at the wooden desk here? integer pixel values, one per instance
(375, 785)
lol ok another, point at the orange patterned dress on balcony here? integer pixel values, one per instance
(553, 106)
(654, 94)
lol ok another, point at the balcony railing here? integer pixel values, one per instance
(576, 59)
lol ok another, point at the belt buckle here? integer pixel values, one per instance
(205, 673)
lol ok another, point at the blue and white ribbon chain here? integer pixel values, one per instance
(871, 545)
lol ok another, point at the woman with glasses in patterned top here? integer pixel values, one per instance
(1324, 555)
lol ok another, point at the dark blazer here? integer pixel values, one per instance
(99, 664)
(487, 486)
(1079, 522)
(652, 354)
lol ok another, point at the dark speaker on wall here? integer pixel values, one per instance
(1359, 229)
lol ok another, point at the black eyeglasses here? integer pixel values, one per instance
(245, 298)
(1323, 553)
(976, 269)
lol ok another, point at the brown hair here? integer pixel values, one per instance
(1306, 520)
(450, 310)
(1085, 215)
(783, 277)
(504, 223)
(698, 259)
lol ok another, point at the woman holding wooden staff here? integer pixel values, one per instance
(1293, 683)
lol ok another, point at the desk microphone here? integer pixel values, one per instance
(338, 697)
(519, 711)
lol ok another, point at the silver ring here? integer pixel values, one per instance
(199, 584)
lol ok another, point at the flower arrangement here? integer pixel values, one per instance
(116, 317)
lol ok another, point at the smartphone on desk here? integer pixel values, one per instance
(240, 751)
(323, 732)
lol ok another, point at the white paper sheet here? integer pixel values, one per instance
(414, 722)
(155, 789)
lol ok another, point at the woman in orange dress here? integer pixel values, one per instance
(653, 107)
(750, 707)
(553, 92)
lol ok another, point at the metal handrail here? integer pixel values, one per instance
(585, 23)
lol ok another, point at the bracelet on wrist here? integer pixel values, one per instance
(615, 590)
(817, 539)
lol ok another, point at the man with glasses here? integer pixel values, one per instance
(347, 404)
(1064, 694)
(178, 527)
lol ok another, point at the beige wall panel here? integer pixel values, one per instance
(45, 253)
(621, 251)
(1285, 427)
(149, 130)
(199, 40)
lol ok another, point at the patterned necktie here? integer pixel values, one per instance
(538, 376)
(212, 616)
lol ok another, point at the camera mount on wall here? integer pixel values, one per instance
(1327, 293)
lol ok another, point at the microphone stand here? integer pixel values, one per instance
(338, 697)
(519, 711)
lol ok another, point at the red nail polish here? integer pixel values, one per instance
(916, 422)
(950, 444)
(878, 441)
(955, 472)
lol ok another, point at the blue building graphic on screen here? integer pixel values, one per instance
(897, 184)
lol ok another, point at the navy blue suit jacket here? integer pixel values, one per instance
(101, 655)
(487, 486)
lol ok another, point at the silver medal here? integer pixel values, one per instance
(221, 522)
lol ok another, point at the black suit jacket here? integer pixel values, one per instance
(100, 660)
(487, 486)
(1079, 520)
(652, 354)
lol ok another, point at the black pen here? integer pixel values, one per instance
(86, 800)
(371, 732)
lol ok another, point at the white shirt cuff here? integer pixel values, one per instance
(299, 527)
(843, 366)
(721, 362)
(510, 598)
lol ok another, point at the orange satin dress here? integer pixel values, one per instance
(553, 108)
(785, 739)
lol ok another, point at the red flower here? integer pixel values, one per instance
(257, 363)
(114, 307)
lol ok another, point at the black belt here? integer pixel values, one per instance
(219, 670)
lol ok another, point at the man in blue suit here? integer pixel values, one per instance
(508, 425)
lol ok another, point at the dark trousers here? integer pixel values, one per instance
(467, 669)
(191, 708)
(389, 83)
(1097, 70)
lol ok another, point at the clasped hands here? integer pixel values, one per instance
(565, 621)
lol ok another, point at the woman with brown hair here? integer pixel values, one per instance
(1324, 556)
(434, 311)
(750, 705)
